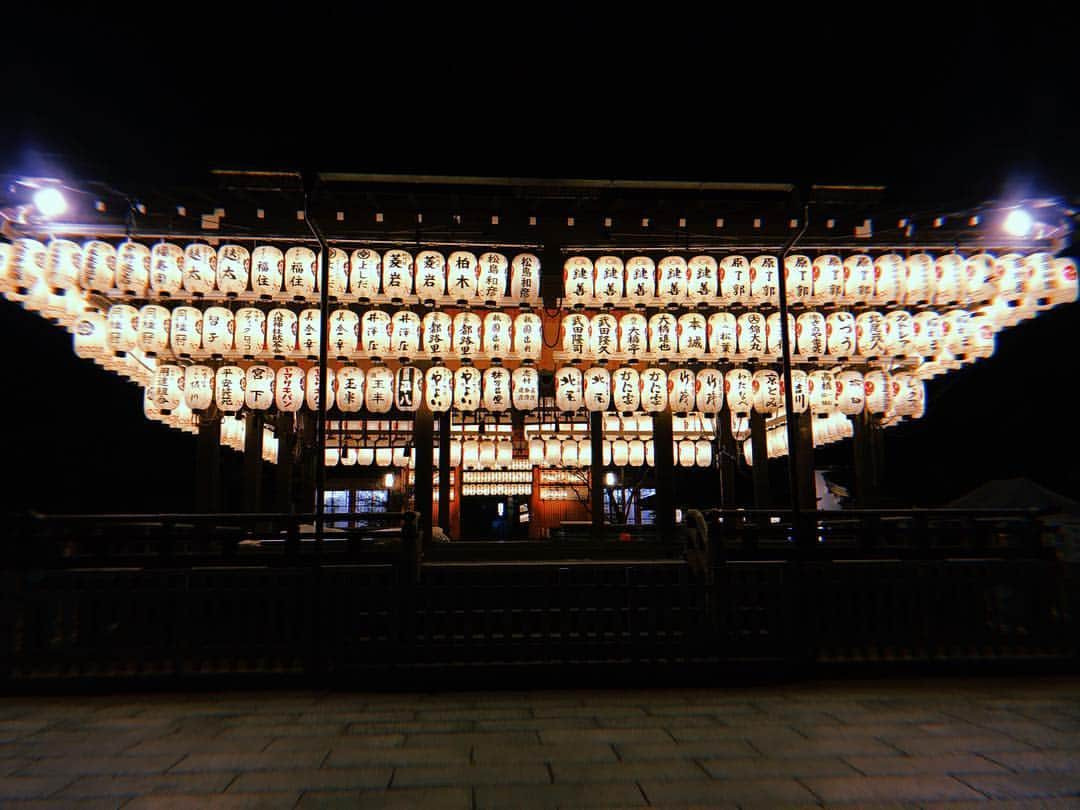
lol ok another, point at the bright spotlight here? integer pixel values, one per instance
(1018, 222)
(609, 479)
(388, 479)
(50, 202)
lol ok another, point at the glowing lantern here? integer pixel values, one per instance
(90, 335)
(397, 275)
(641, 281)
(899, 338)
(878, 391)
(982, 337)
(764, 280)
(734, 280)
(496, 341)
(349, 456)
(461, 277)
(908, 395)
(338, 277)
(701, 280)
(603, 336)
(767, 392)
(840, 334)
(528, 336)
(1064, 287)
(739, 391)
(492, 283)
(723, 329)
(709, 390)
(605, 456)
(575, 335)
(63, 259)
(980, 277)
(281, 328)
(703, 453)
(289, 389)
(350, 389)
(811, 334)
(185, 336)
(154, 324)
(497, 389)
(663, 335)
(439, 388)
(828, 280)
(870, 334)
(467, 388)
(430, 276)
(308, 329)
(692, 336)
(218, 327)
(608, 280)
(597, 382)
(850, 392)
(800, 399)
(229, 384)
(578, 281)
(568, 389)
(650, 453)
(671, 280)
(466, 334)
(570, 453)
(584, 451)
(687, 455)
(408, 388)
(525, 278)
(364, 266)
(250, 332)
(199, 269)
(405, 334)
(504, 453)
(375, 331)
(956, 332)
(799, 279)
(344, 329)
(620, 453)
(167, 388)
(300, 273)
(379, 389)
(1012, 285)
(365, 456)
(259, 388)
(384, 456)
(919, 284)
(267, 271)
(682, 390)
(750, 330)
(926, 333)
(233, 269)
(436, 327)
(536, 452)
(950, 279)
(97, 272)
(858, 279)
(552, 452)
(123, 328)
(470, 454)
(313, 390)
(740, 427)
(632, 331)
(890, 272)
(821, 391)
(626, 389)
(654, 390)
(525, 388)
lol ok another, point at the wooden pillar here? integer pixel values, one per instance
(862, 450)
(285, 429)
(208, 462)
(804, 462)
(596, 472)
(306, 495)
(424, 442)
(728, 450)
(253, 439)
(664, 456)
(444, 471)
(760, 470)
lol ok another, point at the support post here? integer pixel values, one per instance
(253, 438)
(865, 485)
(728, 450)
(444, 472)
(208, 462)
(760, 470)
(804, 462)
(424, 442)
(286, 436)
(596, 472)
(664, 456)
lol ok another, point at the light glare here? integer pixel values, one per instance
(1018, 222)
(50, 202)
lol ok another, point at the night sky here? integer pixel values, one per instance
(941, 111)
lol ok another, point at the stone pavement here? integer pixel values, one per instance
(955, 743)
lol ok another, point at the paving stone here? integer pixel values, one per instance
(658, 770)
(940, 764)
(540, 724)
(226, 761)
(706, 749)
(549, 797)
(325, 744)
(665, 722)
(925, 745)
(66, 804)
(569, 752)
(189, 744)
(293, 730)
(449, 775)
(1025, 785)
(222, 801)
(312, 779)
(90, 787)
(766, 767)
(778, 734)
(75, 766)
(889, 788)
(455, 798)
(31, 787)
(443, 715)
(609, 735)
(765, 791)
(399, 757)
(826, 746)
(1065, 761)
(588, 711)
(477, 738)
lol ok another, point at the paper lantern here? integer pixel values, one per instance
(384, 456)
(663, 335)
(338, 276)
(858, 279)
(908, 395)
(764, 281)
(626, 389)
(750, 331)
(267, 271)
(97, 272)
(773, 346)
(1064, 287)
(799, 279)
(486, 454)
(811, 334)
(408, 388)
(217, 335)
(570, 453)
(654, 390)
(641, 281)
(709, 390)
(504, 453)
(281, 330)
(603, 336)
(919, 281)
(289, 389)
(132, 267)
(608, 280)
(350, 388)
(536, 452)
(199, 269)
(364, 273)
(524, 278)
(620, 453)
(597, 381)
(899, 335)
(497, 396)
(850, 392)
(430, 276)
(259, 388)
(154, 326)
(397, 275)
(878, 391)
(605, 457)
(300, 273)
(821, 391)
(467, 337)
(575, 335)
(982, 339)
(233, 269)
(584, 451)
(870, 334)
(439, 388)
(496, 338)
(25, 268)
(734, 275)
(525, 388)
(687, 454)
(702, 285)
(568, 389)
(739, 391)
(250, 339)
(950, 279)
(682, 390)
(692, 336)
(229, 385)
(578, 281)
(493, 277)
(437, 327)
(840, 334)
(723, 331)
(313, 390)
(1012, 284)
(890, 272)
(980, 273)
(344, 329)
(461, 276)
(379, 389)
(365, 456)
(349, 456)
(90, 332)
(552, 452)
(167, 388)
(703, 453)
(63, 260)
(926, 333)
(185, 334)
(800, 397)
(632, 332)
(405, 334)
(123, 328)
(767, 395)
(375, 333)
(828, 284)
(308, 330)
(528, 336)
(671, 280)
(467, 381)
(956, 332)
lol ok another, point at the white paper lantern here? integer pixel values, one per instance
(956, 332)
(300, 281)
(493, 277)
(289, 389)
(233, 269)
(692, 335)
(723, 329)
(908, 395)
(682, 390)
(384, 456)
(740, 427)
(641, 281)
(496, 339)
(926, 333)
(603, 336)
(405, 334)
(597, 381)
(878, 391)
(828, 285)
(870, 334)
(497, 395)
(308, 330)
(504, 453)
(569, 393)
(63, 260)
(1064, 288)
(267, 271)
(461, 276)
(799, 279)
(525, 386)
(259, 388)
(154, 326)
(701, 280)
(654, 390)
(536, 452)
(578, 281)
(379, 389)
(132, 266)
(703, 453)
(524, 278)
(980, 277)
(950, 279)
(764, 281)
(375, 333)
(840, 334)
(397, 275)
(626, 389)
(608, 280)
(750, 330)
(982, 341)
(584, 450)
(250, 339)
(734, 274)
(364, 273)
(344, 328)
(217, 334)
(281, 329)
(800, 395)
(527, 336)
(97, 271)
(167, 388)
(437, 330)
(350, 389)
(739, 391)
(408, 388)
(811, 334)
(312, 389)
(709, 390)
(821, 391)
(773, 347)
(663, 335)
(767, 394)
(199, 268)
(430, 276)
(570, 453)
(687, 455)
(123, 328)
(899, 337)
(229, 385)
(620, 453)
(632, 333)
(439, 388)
(365, 456)
(486, 455)
(90, 332)
(919, 283)
(858, 279)
(890, 272)
(671, 280)
(467, 392)
(185, 335)
(467, 334)
(850, 392)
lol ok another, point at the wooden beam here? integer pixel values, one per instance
(596, 472)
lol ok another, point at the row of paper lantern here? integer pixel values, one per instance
(888, 279)
(167, 270)
(829, 430)
(577, 453)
